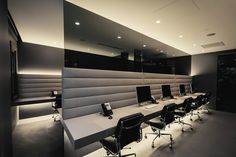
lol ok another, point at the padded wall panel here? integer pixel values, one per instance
(90, 73)
(98, 99)
(85, 92)
(156, 80)
(98, 82)
(31, 86)
(85, 89)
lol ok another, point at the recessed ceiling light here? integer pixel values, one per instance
(144, 45)
(194, 45)
(119, 37)
(77, 23)
(161, 51)
(88, 49)
(181, 36)
(211, 34)
(158, 21)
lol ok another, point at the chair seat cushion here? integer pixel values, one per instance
(180, 113)
(157, 123)
(110, 143)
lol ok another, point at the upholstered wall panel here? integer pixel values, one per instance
(85, 89)
(31, 86)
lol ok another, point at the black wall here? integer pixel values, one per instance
(176, 65)
(39, 58)
(5, 97)
(180, 65)
(204, 71)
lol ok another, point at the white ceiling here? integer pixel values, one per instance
(193, 19)
(39, 21)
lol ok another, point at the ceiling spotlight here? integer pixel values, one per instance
(158, 21)
(161, 51)
(211, 34)
(88, 49)
(77, 23)
(194, 45)
(144, 45)
(181, 36)
(119, 37)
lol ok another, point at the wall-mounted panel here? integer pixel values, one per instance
(85, 89)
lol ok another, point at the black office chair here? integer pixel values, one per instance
(186, 108)
(196, 107)
(159, 123)
(206, 100)
(127, 130)
(56, 105)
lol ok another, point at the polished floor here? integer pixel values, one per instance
(213, 137)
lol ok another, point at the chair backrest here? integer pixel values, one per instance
(207, 97)
(128, 129)
(58, 101)
(199, 100)
(187, 104)
(168, 113)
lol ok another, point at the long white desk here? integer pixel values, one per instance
(94, 127)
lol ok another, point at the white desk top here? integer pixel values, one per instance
(94, 127)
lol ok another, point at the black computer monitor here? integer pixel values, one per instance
(182, 89)
(191, 88)
(143, 94)
(166, 92)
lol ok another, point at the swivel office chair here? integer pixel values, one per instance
(206, 100)
(56, 105)
(186, 108)
(196, 106)
(159, 123)
(127, 130)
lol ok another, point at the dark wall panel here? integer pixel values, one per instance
(204, 72)
(5, 97)
(34, 57)
(179, 65)
(92, 61)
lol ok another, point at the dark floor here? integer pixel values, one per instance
(38, 139)
(215, 136)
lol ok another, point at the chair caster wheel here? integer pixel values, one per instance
(191, 129)
(171, 139)
(182, 130)
(145, 137)
(153, 146)
(170, 147)
(191, 119)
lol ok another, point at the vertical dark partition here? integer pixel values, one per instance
(226, 83)
(5, 96)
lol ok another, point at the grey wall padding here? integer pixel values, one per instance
(85, 89)
(31, 86)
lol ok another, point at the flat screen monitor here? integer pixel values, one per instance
(182, 89)
(191, 88)
(143, 94)
(166, 92)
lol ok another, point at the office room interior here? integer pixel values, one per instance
(145, 78)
